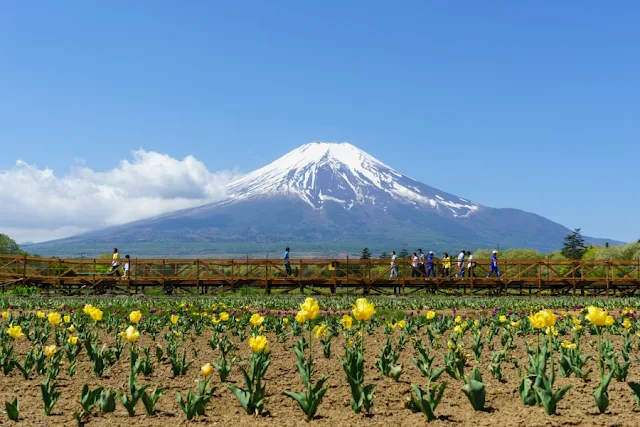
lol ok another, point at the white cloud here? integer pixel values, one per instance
(37, 205)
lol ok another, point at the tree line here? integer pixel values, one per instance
(574, 248)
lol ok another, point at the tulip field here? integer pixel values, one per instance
(296, 360)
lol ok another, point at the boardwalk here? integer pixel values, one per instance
(520, 277)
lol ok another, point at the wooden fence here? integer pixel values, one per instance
(523, 277)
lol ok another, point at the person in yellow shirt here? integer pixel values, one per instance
(115, 263)
(446, 264)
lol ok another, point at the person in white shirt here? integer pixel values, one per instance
(461, 264)
(471, 265)
(394, 265)
(394, 271)
(414, 265)
(421, 262)
(127, 267)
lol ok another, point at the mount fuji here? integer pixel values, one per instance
(323, 199)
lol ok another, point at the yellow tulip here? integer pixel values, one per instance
(174, 318)
(66, 318)
(215, 320)
(626, 323)
(577, 328)
(285, 320)
(457, 329)
(132, 334)
(551, 331)
(450, 345)
(71, 329)
(311, 308)
(40, 315)
(135, 316)
(50, 350)
(402, 323)
(259, 343)
(515, 324)
(549, 317)
(568, 345)
(94, 312)
(458, 319)
(431, 315)
(363, 309)
(224, 316)
(206, 370)
(346, 321)
(15, 332)
(301, 317)
(537, 322)
(256, 319)
(576, 321)
(320, 331)
(392, 325)
(502, 318)
(54, 318)
(87, 309)
(5, 314)
(543, 319)
(598, 316)
(73, 340)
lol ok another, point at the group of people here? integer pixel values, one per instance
(466, 264)
(115, 265)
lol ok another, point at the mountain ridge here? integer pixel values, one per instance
(331, 195)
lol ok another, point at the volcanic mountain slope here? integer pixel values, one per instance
(325, 199)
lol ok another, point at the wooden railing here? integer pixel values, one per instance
(372, 273)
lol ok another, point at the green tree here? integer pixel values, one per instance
(574, 247)
(366, 254)
(384, 255)
(8, 246)
(404, 254)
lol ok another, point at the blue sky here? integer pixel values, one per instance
(532, 105)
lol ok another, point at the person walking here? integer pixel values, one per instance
(431, 265)
(394, 266)
(421, 262)
(287, 264)
(127, 267)
(494, 265)
(414, 265)
(446, 264)
(115, 264)
(471, 265)
(394, 271)
(461, 263)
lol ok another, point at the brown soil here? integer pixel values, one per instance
(504, 405)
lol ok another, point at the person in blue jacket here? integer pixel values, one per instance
(431, 265)
(494, 265)
(287, 265)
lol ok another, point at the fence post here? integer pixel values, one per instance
(607, 268)
(347, 271)
(198, 287)
(24, 271)
(163, 274)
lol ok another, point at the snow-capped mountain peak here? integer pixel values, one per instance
(328, 172)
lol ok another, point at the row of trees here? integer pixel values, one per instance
(574, 248)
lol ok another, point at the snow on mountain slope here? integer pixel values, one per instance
(320, 172)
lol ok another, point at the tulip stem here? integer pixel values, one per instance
(600, 364)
